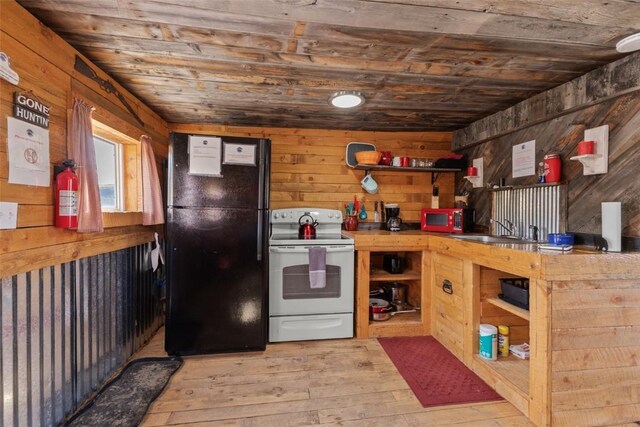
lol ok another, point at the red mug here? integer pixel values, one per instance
(386, 158)
(472, 171)
(585, 147)
(404, 161)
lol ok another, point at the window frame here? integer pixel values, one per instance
(131, 175)
(119, 178)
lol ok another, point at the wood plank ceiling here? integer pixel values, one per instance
(421, 64)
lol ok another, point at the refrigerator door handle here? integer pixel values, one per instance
(260, 235)
(261, 176)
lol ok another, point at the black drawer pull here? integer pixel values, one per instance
(447, 286)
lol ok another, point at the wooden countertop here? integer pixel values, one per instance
(582, 263)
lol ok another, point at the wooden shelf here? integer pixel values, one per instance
(520, 312)
(403, 168)
(405, 324)
(378, 275)
(510, 369)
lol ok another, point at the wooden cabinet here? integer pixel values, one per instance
(509, 375)
(447, 302)
(370, 249)
(583, 321)
(400, 324)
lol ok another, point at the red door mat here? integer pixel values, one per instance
(435, 375)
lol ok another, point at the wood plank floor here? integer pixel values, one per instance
(333, 382)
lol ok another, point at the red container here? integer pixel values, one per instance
(351, 222)
(386, 158)
(585, 147)
(404, 161)
(472, 171)
(552, 168)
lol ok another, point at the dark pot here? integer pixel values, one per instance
(395, 292)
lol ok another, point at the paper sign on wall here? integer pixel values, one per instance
(523, 159)
(28, 153)
(6, 72)
(239, 154)
(8, 215)
(205, 155)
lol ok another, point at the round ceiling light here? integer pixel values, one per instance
(346, 99)
(629, 44)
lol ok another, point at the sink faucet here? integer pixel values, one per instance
(510, 227)
(534, 232)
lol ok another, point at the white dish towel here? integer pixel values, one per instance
(317, 267)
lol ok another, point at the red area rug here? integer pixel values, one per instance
(435, 375)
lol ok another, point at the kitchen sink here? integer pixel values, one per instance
(487, 238)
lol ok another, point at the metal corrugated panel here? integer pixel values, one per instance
(67, 327)
(542, 206)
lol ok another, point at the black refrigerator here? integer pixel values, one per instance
(217, 244)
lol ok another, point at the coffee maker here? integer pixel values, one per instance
(392, 212)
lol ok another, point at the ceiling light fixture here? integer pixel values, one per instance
(629, 44)
(346, 99)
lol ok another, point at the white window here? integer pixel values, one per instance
(118, 159)
(109, 163)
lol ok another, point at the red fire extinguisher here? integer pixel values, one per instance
(67, 197)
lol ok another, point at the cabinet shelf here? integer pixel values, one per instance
(406, 324)
(520, 312)
(510, 369)
(378, 275)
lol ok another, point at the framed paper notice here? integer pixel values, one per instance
(239, 154)
(524, 159)
(28, 153)
(205, 155)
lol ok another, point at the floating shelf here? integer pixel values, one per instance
(402, 168)
(592, 163)
(434, 171)
(598, 162)
(476, 180)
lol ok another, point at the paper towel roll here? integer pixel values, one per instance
(612, 225)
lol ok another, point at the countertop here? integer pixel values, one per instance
(520, 258)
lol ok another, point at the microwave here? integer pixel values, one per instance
(455, 220)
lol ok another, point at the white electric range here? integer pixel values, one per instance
(297, 311)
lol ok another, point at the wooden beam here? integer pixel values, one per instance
(613, 80)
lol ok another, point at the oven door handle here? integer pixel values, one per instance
(304, 249)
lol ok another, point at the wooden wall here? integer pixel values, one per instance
(595, 338)
(557, 119)
(45, 64)
(308, 167)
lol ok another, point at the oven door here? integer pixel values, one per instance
(289, 289)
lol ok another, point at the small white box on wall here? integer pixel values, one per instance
(612, 225)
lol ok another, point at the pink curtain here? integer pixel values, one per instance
(152, 209)
(82, 151)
